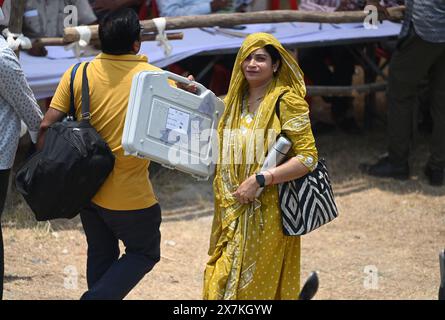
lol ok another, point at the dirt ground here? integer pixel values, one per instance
(395, 229)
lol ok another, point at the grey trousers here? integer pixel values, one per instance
(414, 60)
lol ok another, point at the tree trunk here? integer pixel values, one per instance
(345, 91)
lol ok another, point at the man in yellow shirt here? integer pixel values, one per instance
(125, 208)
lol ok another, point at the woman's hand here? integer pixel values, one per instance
(247, 190)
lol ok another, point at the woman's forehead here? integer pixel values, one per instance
(260, 51)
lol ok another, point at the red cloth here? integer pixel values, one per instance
(1, 2)
(143, 11)
(220, 80)
(154, 9)
(275, 5)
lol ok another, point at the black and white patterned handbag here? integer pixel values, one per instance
(307, 203)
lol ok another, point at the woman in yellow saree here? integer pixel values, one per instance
(250, 257)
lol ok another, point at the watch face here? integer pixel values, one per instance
(260, 179)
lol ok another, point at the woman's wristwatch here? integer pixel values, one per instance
(260, 179)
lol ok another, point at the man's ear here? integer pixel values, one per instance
(136, 46)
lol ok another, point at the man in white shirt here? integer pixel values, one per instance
(17, 103)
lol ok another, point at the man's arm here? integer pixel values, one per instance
(15, 90)
(59, 107)
(51, 116)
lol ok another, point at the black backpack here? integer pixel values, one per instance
(62, 178)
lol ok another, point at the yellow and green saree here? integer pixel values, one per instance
(250, 258)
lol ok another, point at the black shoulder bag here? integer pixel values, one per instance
(75, 161)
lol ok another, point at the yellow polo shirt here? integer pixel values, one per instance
(128, 186)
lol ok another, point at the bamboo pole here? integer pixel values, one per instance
(16, 18)
(345, 91)
(231, 19)
(144, 37)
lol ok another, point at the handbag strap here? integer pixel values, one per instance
(72, 111)
(277, 106)
(85, 95)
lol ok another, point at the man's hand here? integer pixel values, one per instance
(51, 116)
(188, 87)
(217, 5)
(37, 49)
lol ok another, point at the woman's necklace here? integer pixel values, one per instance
(254, 104)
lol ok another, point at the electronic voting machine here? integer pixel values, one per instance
(172, 126)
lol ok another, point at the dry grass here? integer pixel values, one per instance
(399, 227)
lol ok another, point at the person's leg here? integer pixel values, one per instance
(409, 66)
(103, 246)
(436, 162)
(344, 63)
(342, 108)
(139, 231)
(4, 182)
(313, 65)
(424, 121)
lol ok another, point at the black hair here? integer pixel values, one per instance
(273, 52)
(118, 30)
